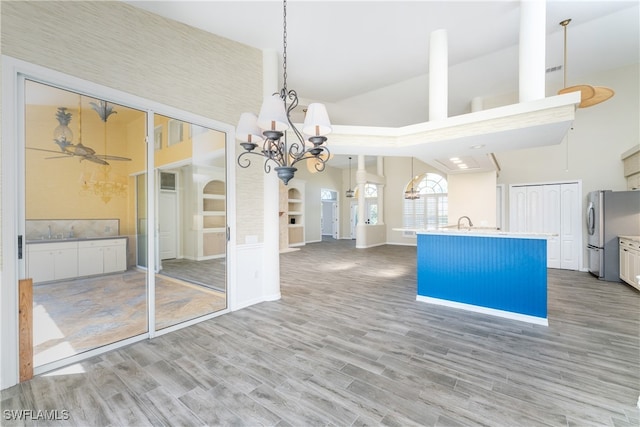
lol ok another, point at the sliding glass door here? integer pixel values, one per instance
(191, 237)
(80, 156)
(106, 198)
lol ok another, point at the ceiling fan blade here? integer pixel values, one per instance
(109, 157)
(95, 159)
(50, 151)
(64, 156)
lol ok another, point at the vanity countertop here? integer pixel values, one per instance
(73, 239)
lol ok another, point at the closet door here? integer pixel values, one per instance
(518, 209)
(552, 223)
(570, 219)
(535, 209)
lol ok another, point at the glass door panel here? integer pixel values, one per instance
(81, 156)
(191, 226)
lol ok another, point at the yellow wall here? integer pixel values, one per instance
(54, 182)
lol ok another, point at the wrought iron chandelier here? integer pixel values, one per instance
(269, 129)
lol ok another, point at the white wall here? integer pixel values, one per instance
(473, 195)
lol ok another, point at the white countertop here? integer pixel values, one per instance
(632, 238)
(73, 239)
(479, 232)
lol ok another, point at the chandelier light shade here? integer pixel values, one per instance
(248, 130)
(269, 129)
(273, 115)
(349, 192)
(316, 121)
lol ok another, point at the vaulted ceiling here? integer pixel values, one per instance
(368, 60)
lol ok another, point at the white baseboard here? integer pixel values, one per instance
(485, 310)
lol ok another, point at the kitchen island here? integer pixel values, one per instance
(488, 271)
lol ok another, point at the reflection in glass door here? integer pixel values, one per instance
(81, 154)
(191, 230)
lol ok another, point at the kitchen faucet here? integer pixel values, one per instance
(49, 227)
(468, 219)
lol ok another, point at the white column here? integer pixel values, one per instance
(361, 227)
(438, 75)
(271, 253)
(380, 191)
(532, 50)
(477, 104)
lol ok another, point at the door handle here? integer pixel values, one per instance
(20, 247)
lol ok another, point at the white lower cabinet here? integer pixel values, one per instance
(52, 261)
(65, 260)
(630, 261)
(101, 256)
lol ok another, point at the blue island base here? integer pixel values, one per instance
(500, 276)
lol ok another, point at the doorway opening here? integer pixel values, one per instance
(329, 215)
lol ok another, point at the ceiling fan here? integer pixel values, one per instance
(590, 95)
(63, 136)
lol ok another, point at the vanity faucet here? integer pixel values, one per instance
(468, 220)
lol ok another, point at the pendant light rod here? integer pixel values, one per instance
(564, 66)
(349, 192)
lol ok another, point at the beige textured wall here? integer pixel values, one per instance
(119, 46)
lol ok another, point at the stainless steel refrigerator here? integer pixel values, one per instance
(609, 215)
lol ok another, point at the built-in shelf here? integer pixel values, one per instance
(213, 232)
(295, 213)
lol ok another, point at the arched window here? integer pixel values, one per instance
(430, 210)
(327, 194)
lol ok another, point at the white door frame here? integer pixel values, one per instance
(14, 72)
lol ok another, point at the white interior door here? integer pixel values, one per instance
(168, 224)
(571, 227)
(335, 221)
(327, 218)
(551, 223)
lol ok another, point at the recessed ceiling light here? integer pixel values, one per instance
(456, 160)
(477, 146)
(453, 159)
(462, 166)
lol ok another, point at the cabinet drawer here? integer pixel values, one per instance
(629, 244)
(54, 246)
(101, 243)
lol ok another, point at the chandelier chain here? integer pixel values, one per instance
(284, 43)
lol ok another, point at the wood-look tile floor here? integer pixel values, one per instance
(349, 345)
(71, 317)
